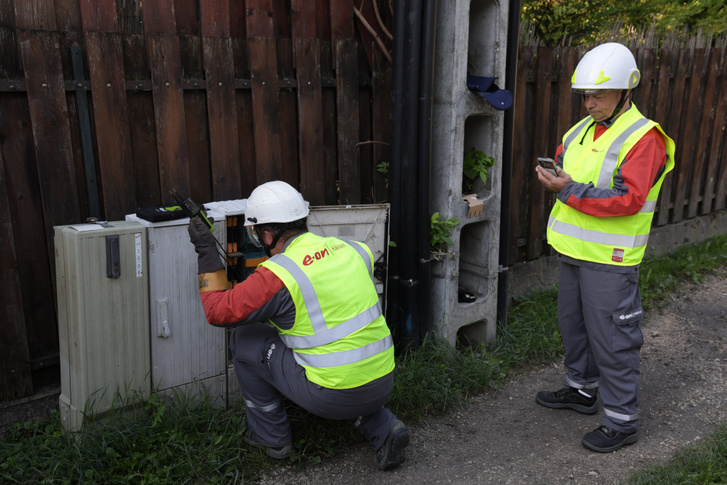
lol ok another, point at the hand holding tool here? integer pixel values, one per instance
(192, 209)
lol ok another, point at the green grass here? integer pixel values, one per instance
(191, 441)
(703, 463)
(170, 440)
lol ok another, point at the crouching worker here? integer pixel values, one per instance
(328, 349)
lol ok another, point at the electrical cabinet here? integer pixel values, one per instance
(103, 317)
(187, 354)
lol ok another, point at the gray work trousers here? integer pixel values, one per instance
(599, 315)
(266, 370)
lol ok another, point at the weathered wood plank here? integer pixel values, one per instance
(221, 99)
(684, 171)
(323, 22)
(170, 122)
(680, 70)
(662, 112)
(330, 140)
(303, 19)
(310, 139)
(287, 100)
(215, 18)
(349, 170)
(37, 15)
(521, 171)
(364, 147)
(186, 19)
(542, 148)
(266, 108)
(719, 145)
(701, 122)
(98, 15)
(51, 129)
(341, 20)
(142, 131)
(16, 379)
(246, 136)
(259, 18)
(222, 116)
(703, 186)
(11, 67)
(198, 146)
(25, 208)
(381, 122)
(111, 118)
(159, 17)
(646, 60)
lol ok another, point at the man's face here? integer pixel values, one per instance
(601, 105)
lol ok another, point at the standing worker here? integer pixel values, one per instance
(609, 168)
(326, 347)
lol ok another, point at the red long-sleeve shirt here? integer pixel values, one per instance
(642, 166)
(260, 297)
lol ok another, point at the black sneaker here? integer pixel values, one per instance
(569, 398)
(393, 452)
(604, 439)
(280, 453)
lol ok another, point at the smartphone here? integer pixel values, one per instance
(548, 164)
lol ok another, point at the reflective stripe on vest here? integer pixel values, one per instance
(324, 335)
(589, 235)
(344, 357)
(611, 159)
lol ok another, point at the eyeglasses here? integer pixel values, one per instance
(253, 236)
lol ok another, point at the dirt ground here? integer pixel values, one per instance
(504, 437)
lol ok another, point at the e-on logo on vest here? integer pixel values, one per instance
(309, 259)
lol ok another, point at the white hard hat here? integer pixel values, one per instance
(609, 66)
(275, 202)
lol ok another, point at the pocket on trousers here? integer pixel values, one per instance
(627, 333)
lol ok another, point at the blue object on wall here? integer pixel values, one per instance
(486, 87)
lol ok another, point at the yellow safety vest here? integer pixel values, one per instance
(619, 240)
(340, 335)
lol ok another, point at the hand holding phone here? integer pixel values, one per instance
(549, 165)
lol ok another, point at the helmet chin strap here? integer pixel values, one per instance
(276, 237)
(268, 247)
(624, 95)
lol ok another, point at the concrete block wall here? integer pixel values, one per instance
(471, 39)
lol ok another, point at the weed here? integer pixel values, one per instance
(476, 164)
(441, 229)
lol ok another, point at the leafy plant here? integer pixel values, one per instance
(476, 164)
(383, 168)
(441, 229)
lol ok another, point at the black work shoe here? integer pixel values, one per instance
(569, 398)
(393, 452)
(604, 439)
(280, 453)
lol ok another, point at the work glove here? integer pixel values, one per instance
(205, 245)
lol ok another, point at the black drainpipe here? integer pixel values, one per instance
(412, 71)
(429, 32)
(513, 36)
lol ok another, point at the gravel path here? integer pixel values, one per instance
(504, 437)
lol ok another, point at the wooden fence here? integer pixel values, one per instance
(105, 105)
(683, 89)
